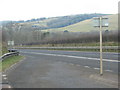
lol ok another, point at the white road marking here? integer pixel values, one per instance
(86, 66)
(5, 78)
(9, 87)
(107, 60)
(97, 68)
(109, 70)
(4, 75)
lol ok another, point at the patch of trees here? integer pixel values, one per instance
(37, 37)
(62, 21)
(88, 37)
(33, 36)
(69, 20)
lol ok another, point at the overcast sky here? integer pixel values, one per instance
(28, 9)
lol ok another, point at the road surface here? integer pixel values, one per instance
(62, 69)
(90, 59)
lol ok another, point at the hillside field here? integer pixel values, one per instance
(87, 26)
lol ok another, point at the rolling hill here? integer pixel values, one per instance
(86, 25)
(56, 22)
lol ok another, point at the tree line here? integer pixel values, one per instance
(21, 36)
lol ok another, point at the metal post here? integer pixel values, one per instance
(101, 65)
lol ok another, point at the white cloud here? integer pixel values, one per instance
(27, 9)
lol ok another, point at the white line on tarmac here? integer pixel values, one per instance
(107, 60)
(4, 75)
(5, 78)
(9, 86)
(97, 68)
(86, 66)
(109, 70)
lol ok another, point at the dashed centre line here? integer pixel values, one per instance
(97, 68)
(86, 66)
(4, 75)
(5, 78)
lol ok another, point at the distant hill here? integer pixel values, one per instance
(4, 22)
(86, 25)
(56, 22)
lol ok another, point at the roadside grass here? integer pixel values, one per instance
(76, 45)
(9, 61)
(73, 44)
(89, 50)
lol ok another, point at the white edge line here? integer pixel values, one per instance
(108, 60)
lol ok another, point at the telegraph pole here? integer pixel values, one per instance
(100, 22)
(101, 64)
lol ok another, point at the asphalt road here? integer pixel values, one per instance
(61, 69)
(90, 59)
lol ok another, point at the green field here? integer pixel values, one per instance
(86, 25)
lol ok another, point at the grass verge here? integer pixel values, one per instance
(73, 44)
(93, 50)
(9, 61)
